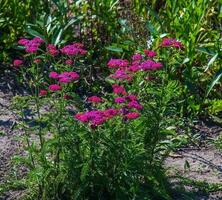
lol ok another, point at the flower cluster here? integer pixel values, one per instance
(171, 42)
(65, 77)
(73, 49)
(125, 70)
(121, 74)
(150, 53)
(17, 62)
(118, 63)
(96, 117)
(52, 50)
(118, 89)
(95, 99)
(31, 46)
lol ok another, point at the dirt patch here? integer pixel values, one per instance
(202, 162)
(9, 144)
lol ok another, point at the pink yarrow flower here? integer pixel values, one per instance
(73, 49)
(43, 92)
(55, 87)
(150, 65)
(54, 75)
(117, 89)
(120, 100)
(150, 53)
(171, 42)
(94, 99)
(17, 62)
(37, 60)
(132, 115)
(52, 50)
(69, 62)
(31, 46)
(120, 74)
(135, 104)
(117, 63)
(137, 57)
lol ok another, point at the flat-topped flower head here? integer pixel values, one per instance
(65, 77)
(54, 75)
(118, 89)
(69, 62)
(150, 65)
(171, 42)
(55, 87)
(31, 46)
(119, 100)
(73, 49)
(150, 53)
(117, 63)
(121, 74)
(17, 62)
(43, 92)
(132, 115)
(135, 104)
(52, 50)
(94, 99)
(137, 57)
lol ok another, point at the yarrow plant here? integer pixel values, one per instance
(106, 145)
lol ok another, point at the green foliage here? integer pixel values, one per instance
(14, 14)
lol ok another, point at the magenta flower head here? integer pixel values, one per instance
(120, 100)
(55, 87)
(147, 65)
(51, 49)
(94, 99)
(149, 53)
(64, 79)
(135, 104)
(132, 115)
(73, 49)
(54, 75)
(37, 60)
(37, 40)
(81, 117)
(31, 49)
(110, 112)
(73, 75)
(131, 97)
(17, 62)
(157, 65)
(120, 74)
(23, 41)
(117, 63)
(171, 42)
(43, 92)
(69, 62)
(137, 57)
(135, 67)
(117, 89)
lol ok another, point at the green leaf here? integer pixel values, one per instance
(35, 33)
(186, 165)
(57, 37)
(151, 28)
(216, 78)
(115, 49)
(84, 171)
(186, 60)
(211, 61)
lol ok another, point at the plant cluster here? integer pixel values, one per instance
(109, 145)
